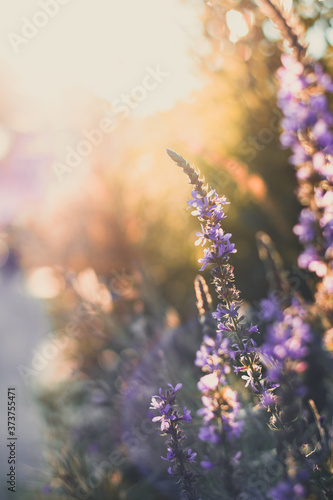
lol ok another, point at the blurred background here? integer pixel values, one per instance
(97, 249)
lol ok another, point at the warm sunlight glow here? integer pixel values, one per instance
(43, 283)
(287, 5)
(5, 141)
(237, 25)
(104, 46)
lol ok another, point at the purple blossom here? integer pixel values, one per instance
(208, 357)
(190, 456)
(174, 389)
(170, 420)
(207, 412)
(206, 464)
(307, 257)
(46, 489)
(222, 311)
(268, 399)
(231, 340)
(300, 114)
(187, 415)
(202, 237)
(306, 229)
(155, 404)
(235, 459)
(220, 405)
(165, 418)
(286, 490)
(170, 456)
(324, 79)
(307, 131)
(209, 433)
(285, 350)
(203, 205)
(208, 382)
(233, 428)
(323, 136)
(250, 379)
(206, 259)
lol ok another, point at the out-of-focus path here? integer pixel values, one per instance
(23, 324)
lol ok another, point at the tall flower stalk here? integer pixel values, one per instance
(169, 420)
(307, 122)
(307, 132)
(233, 346)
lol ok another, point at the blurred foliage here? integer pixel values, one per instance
(125, 218)
(127, 211)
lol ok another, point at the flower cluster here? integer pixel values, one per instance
(285, 350)
(276, 371)
(289, 490)
(220, 409)
(307, 131)
(233, 345)
(169, 420)
(219, 403)
(285, 354)
(228, 344)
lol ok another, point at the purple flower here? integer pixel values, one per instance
(268, 399)
(231, 343)
(165, 417)
(187, 415)
(235, 459)
(307, 131)
(176, 388)
(222, 311)
(206, 464)
(306, 230)
(46, 489)
(203, 205)
(209, 433)
(170, 425)
(190, 456)
(324, 79)
(208, 382)
(307, 257)
(286, 490)
(322, 135)
(233, 428)
(220, 407)
(284, 352)
(206, 259)
(202, 237)
(250, 379)
(299, 156)
(170, 456)
(207, 412)
(155, 404)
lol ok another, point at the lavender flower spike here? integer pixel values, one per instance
(304, 100)
(179, 457)
(233, 338)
